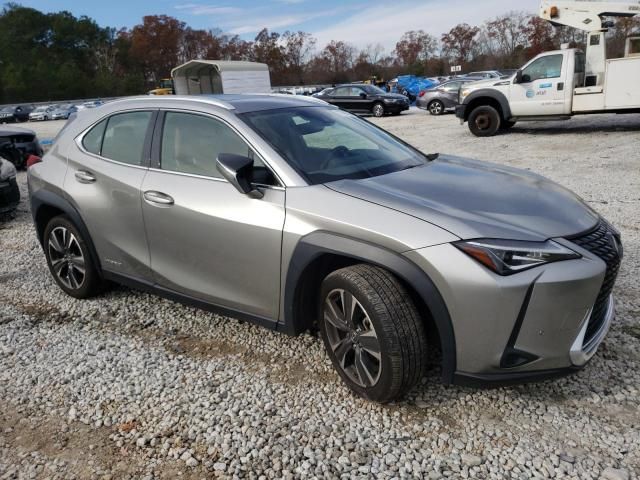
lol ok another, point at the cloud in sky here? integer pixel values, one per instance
(358, 22)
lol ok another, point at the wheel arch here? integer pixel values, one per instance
(488, 97)
(46, 205)
(320, 253)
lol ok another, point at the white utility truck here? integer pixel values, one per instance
(557, 85)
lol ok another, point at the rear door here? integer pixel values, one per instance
(103, 180)
(341, 97)
(207, 240)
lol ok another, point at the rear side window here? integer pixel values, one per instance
(124, 137)
(92, 141)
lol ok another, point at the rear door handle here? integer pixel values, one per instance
(85, 177)
(560, 86)
(157, 198)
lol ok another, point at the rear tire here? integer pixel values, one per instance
(380, 349)
(69, 259)
(436, 108)
(484, 121)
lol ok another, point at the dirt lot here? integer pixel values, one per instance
(128, 385)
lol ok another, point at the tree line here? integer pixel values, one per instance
(55, 56)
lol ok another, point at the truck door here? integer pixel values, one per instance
(542, 89)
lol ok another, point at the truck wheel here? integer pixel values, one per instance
(372, 332)
(484, 121)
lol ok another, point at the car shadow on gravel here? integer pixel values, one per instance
(522, 129)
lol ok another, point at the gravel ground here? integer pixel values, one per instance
(128, 385)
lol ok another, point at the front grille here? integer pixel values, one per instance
(605, 243)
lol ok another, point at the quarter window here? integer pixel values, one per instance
(545, 67)
(92, 141)
(124, 137)
(192, 143)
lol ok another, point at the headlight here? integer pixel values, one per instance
(464, 93)
(506, 257)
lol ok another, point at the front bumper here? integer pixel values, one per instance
(520, 328)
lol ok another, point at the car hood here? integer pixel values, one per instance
(473, 199)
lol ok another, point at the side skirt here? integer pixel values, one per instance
(190, 301)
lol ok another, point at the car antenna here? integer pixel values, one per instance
(432, 156)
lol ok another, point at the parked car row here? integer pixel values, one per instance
(31, 113)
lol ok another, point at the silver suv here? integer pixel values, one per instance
(295, 215)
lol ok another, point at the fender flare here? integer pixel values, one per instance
(44, 198)
(488, 93)
(314, 245)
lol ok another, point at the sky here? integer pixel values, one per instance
(359, 22)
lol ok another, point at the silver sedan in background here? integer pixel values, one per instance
(444, 97)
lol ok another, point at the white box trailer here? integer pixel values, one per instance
(200, 77)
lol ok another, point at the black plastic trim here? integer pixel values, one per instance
(316, 244)
(510, 348)
(495, 380)
(43, 198)
(486, 93)
(139, 284)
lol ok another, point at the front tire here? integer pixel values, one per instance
(372, 332)
(436, 108)
(69, 260)
(484, 121)
(378, 110)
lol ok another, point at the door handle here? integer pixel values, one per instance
(85, 177)
(157, 198)
(560, 86)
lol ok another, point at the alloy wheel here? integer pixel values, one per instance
(352, 338)
(378, 110)
(435, 108)
(66, 257)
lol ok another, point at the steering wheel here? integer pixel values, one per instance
(339, 152)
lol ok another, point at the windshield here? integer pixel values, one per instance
(327, 144)
(40, 109)
(7, 109)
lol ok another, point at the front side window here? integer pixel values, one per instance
(191, 144)
(124, 137)
(327, 144)
(543, 68)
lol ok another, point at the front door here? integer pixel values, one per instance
(207, 240)
(543, 88)
(104, 179)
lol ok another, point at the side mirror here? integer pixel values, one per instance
(236, 169)
(363, 95)
(519, 76)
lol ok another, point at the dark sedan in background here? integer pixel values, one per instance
(358, 98)
(15, 114)
(17, 144)
(444, 97)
